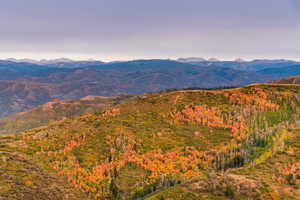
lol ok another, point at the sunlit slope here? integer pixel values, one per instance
(274, 174)
(23, 178)
(170, 145)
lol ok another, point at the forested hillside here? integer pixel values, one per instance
(182, 144)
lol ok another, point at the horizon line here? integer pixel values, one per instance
(216, 59)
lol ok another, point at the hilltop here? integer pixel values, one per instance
(182, 144)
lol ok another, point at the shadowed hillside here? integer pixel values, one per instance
(56, 110)
(281, 72)
(185, 144)
(18, 96)
(290, 80)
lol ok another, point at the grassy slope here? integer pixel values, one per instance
(134, 130)
(22, 178)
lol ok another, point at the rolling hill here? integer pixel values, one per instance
(182, 144)
(18, 96)
(56, 110)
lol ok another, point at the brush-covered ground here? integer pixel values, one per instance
(240, 143)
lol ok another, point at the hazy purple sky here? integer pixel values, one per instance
(130, 29)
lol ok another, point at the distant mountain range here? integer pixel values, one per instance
(60, 63)
(240, 64)
(48, 61)
(24, 85)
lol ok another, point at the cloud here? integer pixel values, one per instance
(156, 27)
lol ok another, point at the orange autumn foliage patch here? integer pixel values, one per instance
(201, 114)
(158, 164)
(237, 122)
(256, 99)
(291, 169)
(211, 117)
(113, 112)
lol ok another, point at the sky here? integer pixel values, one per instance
(140, 29)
